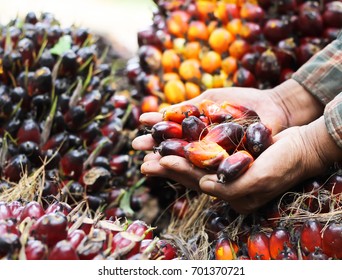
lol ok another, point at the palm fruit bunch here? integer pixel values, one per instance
(30, 232)
(194, 45)
(224, 138)
(67, 119)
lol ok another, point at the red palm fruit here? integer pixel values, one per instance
(197, 31)
(193, 129)
(252, 12)
(332, 241)
(286, 74)
(239, 111)
(33, 210)
(50, 228)
(9, 226)
(42, 81)
(95, 179)
(141, 229)
(228, 135)
(5, 211)
(267, 67)
(111, 130)
(332, 15)
(244, 78)
(334, 185)
(279, 239)
(205, 154)
(29, 131)
(75, 237)
(180, 112)
(305, 51)
(119, 164)
(178, 23)
(149, 58)
(88, 249)
(286, 52)
(36, 250)
(16, 166)
(58, 141)
(213, 111)
(58, 206)
(317, 255)
(164, 250)
(171, 147)
(310, 236)
(251, 32)
(310, 23)
(287, 253)
(331, 33)
(258, 138)
(225, 249)
(91, 102)
(277, 29)
(165, 130)
(180, 207)
(125, 245)
(258, 246)
(71, 164)
(9, 245)
(234, 166)
(16, 208)
(63, 250)
(286, 5)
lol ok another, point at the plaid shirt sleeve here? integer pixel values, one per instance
(322, 77)
(322, 74)
(333, 119)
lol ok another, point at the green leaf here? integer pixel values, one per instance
(63, 45)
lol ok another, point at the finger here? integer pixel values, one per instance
(151, 118)
(182, 167)
(143, 143)
(152, 156)
(153, 168)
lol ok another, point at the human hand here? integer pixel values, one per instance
(298, 153)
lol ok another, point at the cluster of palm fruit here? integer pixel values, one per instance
(194, 45)
(67, 119)
(62, 106)
(223, 138)
(304, 224)
(30, 232)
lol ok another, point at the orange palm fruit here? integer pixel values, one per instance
(258, 246)
(211, 62)
(220, 40)
(205, 155)
(170, 76)
(228, 135)
(174, 91)
(150, 103)
(234, 166)
(239, 111)
(225, 249)
(192, 50)
(213, 111)
(205, 9)
(226, 11)
(177, 23)
(279, 238)
(239, 48)
(178, 113)
(170, 61)
(197, 31)
(229, 65)
(189, 70)
(234, 26)
(192, 90)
